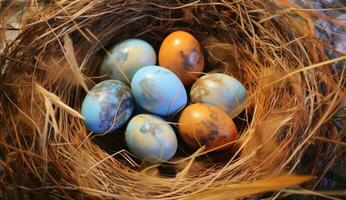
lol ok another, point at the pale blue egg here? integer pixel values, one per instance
(107, 106)
(151, 138)
(127, 57)
(158, 90)
(220, 90)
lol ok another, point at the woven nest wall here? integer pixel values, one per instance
(48, 69)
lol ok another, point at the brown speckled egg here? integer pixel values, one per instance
(202, 124)
(181, 53)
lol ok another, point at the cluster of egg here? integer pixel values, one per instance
(135, 81)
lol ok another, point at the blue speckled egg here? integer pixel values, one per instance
(127, 57)
(150, 138)
(107, 106)
(220, 90)
(158, 90)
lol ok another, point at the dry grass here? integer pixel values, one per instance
(47, 152)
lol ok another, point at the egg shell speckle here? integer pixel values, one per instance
(158, 90)
(203, 124)
(151, 138)
(220, 90)
(107, 106)
(127, 57)
(181, 52)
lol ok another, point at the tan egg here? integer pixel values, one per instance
(202, 124)
(181, 53)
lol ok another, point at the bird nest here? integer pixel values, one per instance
(286, 126)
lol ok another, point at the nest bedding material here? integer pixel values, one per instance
(51, 65)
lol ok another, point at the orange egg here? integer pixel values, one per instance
(181, 53)
(202, 124)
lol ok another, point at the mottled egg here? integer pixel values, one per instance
(181, 52)
(203, 124)
(158, 90)
(107, 106)
(127, 57)
(151, 138)
(220, 90)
